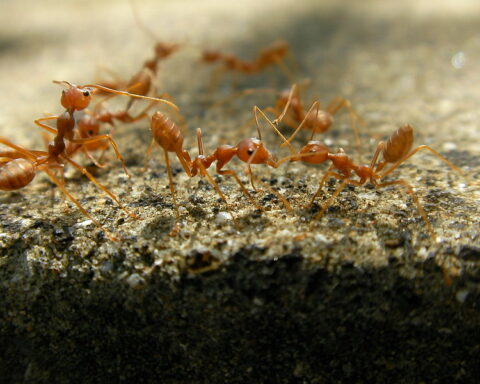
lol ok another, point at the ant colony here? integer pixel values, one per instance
(81, 129)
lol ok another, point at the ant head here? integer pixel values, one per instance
(253, 151)
(88, 126)
(75, 97)
(318, 151)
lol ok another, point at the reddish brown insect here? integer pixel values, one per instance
(18, 167)
(269, 56)
(395, 151)
(290, 110)
(76, 98)
(169, 137)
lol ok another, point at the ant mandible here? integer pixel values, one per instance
(395, 151)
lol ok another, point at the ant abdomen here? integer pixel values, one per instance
(399, 144)
(166, 133)
(16, 174)
(319, 122)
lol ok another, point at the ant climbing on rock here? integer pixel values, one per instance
(169, 137)
(395, 151)
(18, 167)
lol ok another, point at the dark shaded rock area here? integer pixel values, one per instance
(252, 320)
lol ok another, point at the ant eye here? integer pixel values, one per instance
(90, 132)
(250, 151)
(86, 93)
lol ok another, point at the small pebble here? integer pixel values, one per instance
(223, 218)
(461, 296)
(135, 281)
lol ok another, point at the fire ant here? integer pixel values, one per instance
(19, 166)
(395, 151)
(77, 98)
(251, 151)
(269, 56)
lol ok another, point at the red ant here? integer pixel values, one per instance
(290, 109)
(77, 98)
(19, 166)
(395, 151)
(251, 151)
(272, 55)
(143, 81)
(89, 126)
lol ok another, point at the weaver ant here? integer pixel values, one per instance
(169, 137)
(143, 81)
(269, 56)
(290, 110)
(77, 98)
(395, 151)
(19, 166)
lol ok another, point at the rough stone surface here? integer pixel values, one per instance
(364, 296)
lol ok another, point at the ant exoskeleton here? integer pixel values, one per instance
(290, 110)
(19, 166)
(169, 137)
(89, 126)
(269, 56)
(77, 98)
(395, 151)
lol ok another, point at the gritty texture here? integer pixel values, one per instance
(365, 295)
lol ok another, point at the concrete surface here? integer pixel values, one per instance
(367, 296)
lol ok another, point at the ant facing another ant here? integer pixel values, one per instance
(250, 151)
(18, 166)
(395, 151)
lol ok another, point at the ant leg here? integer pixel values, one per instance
(410, 191)
(413, 152)
(203, 171)
(285, 70)
(100, 186)
(149, 152)
(282, 198)
(44, 126)
(87, 153)
(60, 185)
(185, 160)
(327, 174)
(232, 173)
(29, 155)
(339, 103)
(273, 126)
(108, 137)
(176, 228)
(339, 189)
(293, 91)
(315, 106)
